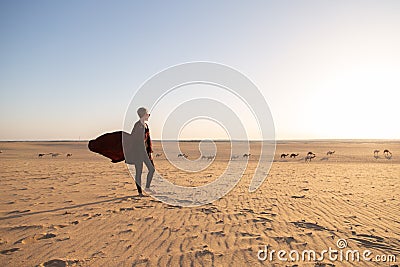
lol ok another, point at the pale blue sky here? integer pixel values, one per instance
(328, 69)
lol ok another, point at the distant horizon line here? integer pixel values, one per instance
(222, 140)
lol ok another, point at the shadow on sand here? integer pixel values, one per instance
(68, 208)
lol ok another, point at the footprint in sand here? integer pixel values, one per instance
(63, 239)
(93, 216)
(8, 251)
(247, 210)
(141, 262)
(302, 196)
(59, 263)
(148, 218)
(249, 235)
(204, 257)
(125, 231)
(46, 236)
(99, 254)
(57, 226)
(308, 225)
(126, 209)
(26, 240)
(34, 238)
(286, 239)
(218, 233)
(261, 220)
(210, 210)
(268, 213)
(372, 241)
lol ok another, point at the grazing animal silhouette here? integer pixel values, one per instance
(284, 155)
(234, 157)
(158, 155)
(310, 156)
(246, 155)
(69, 155)
(329, 153)
(210, 157)
(376, 153)
(293, 155)
(182, 155)
(40, 155)
(387, 154)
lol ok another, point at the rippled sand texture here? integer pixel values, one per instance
(83, 210)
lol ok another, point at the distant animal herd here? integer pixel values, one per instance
(310, 155)
(209, 157)
(386, 153)
(53, 155)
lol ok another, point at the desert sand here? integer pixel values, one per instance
(83, 210)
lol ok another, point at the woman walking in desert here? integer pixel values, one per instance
(140, 151)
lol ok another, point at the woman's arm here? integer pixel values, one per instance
(149, 145)
(137, 131)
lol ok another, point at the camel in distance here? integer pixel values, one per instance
(330, 153)
(387, 154)
(310, 156)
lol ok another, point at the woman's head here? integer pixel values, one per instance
(143, 113)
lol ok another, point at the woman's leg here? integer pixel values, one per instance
(138, 176)
(150, 166)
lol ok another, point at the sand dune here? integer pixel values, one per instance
(84, 210)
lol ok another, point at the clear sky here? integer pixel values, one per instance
(328, 69)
